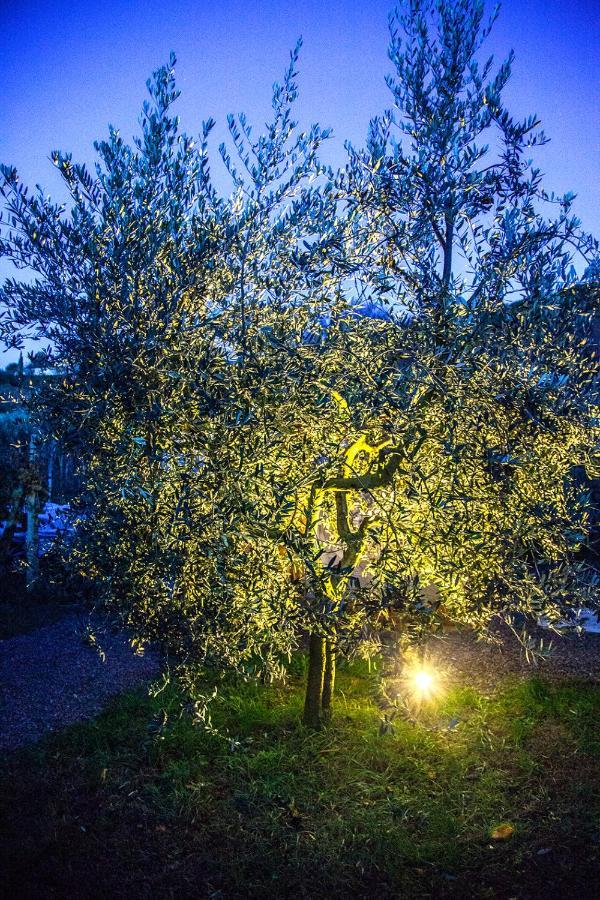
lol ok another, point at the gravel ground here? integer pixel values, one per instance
(54, 676)
(468, 661)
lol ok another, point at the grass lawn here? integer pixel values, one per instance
(143, 803)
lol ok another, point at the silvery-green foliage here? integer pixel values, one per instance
(383, 372)
(451, 226)
(169, 310)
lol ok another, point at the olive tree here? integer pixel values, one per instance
(450, 223)
(163, 305)
(442, 483)
(299, 406)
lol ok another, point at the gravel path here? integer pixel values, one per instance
(53, 677)
(468, 661)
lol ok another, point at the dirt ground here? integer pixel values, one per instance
(465, 659)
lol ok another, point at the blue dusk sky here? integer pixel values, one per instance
(68, 69)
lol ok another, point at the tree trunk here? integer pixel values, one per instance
(51, 456)
(314, 681)
(32, 508)
(329, 679)
(10, 526)
(447, 273)
(62, 469)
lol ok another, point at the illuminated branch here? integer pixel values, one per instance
(381, 478)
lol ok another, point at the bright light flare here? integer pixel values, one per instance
(423, 682)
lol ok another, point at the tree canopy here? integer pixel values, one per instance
(329, 400)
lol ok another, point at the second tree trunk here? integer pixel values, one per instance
(328, 679)
(314, 681)
(320, 681)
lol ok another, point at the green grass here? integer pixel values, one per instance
(143, 803)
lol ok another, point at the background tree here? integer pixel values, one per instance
(14, 436)
(34, 469)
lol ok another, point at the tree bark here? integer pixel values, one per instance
(314, 681)
(447, 274)
(32, 507)
(10, 526)
(51, 457)
(328, 680)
